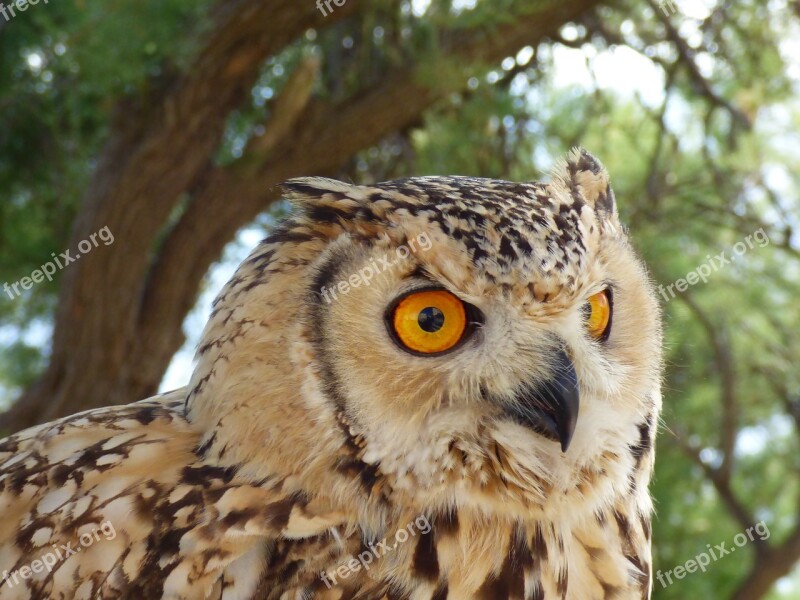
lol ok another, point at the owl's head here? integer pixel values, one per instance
(440, 340)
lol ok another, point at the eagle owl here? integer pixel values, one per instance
(432, 388)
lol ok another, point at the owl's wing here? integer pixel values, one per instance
(116, 503)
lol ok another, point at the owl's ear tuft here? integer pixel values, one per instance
(306, 191)
(334, 206)
(583, 175)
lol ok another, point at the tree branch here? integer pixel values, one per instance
(739, 512)
(723, 358)
(771, 562)
(702, 86)
(769, 568)
(146, 165)
(325, 138)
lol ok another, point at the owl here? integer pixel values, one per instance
(435, 388)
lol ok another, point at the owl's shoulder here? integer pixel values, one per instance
(121, 503)
(48, 457)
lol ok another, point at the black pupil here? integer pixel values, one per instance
(431, 319)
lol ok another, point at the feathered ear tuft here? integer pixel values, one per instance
(328, 202)
(305, 191)
(582, 174)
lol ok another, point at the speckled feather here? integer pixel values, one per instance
(306, 436)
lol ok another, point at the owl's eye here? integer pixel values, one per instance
(598, 315)
(428, 322)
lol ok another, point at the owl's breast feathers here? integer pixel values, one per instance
(120, 503)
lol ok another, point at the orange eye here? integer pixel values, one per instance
(429, 321)
(598, 310)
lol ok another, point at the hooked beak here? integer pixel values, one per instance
(551, 407)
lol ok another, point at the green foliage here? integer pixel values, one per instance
(707, 163)
(24, 363)
(65, 68)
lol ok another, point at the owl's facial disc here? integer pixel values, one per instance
(551, 408)
(431, 321)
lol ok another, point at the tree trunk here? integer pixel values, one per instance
(769, 567)
(121, 307)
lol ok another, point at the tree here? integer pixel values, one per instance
(156, 183)
(171, 123)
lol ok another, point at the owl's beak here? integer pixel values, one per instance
(551, 407)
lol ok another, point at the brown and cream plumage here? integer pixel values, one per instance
(514, 452)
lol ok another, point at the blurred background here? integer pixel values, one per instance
(170, 123)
